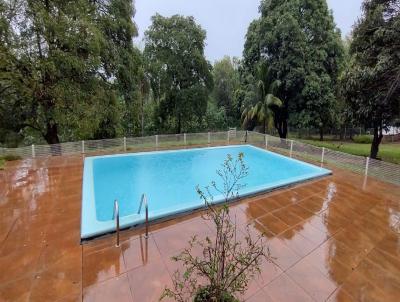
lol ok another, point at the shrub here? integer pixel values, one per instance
(225, 265)
(363, 139)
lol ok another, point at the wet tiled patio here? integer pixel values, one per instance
(333, 239)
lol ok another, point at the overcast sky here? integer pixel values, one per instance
(226, 21)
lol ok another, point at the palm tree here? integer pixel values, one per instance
(262, 111)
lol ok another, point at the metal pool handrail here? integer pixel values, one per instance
(144, 200)
(116, 217)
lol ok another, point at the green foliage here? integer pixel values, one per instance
(225, 264)
(62, 66)
(371, 84)
(8, 157)
(226, 83)
(363, 139)
(299, 42)
(262, 111)
(179, 74)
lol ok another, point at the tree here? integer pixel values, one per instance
(226, 82)
(371, 84)
(120, 58)
(179, 74)
(299, 42)
(71, 58)
(263, 111)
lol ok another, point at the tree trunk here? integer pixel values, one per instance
(282, 128)
(378, 135)
(321, 134)
(179, 126)
(142, 117)
(51, 137)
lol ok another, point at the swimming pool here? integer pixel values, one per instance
(169, 180)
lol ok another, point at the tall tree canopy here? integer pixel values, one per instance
(299, 42)
(226, 83)
(179, 74)
(372, 82)
(69, 57)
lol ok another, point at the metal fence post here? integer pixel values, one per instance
(124, 143)
(266, 141)
(228, 136)
(322, 155)
(156, 140)
(209, 138)
(366, 166)
(83, 146)
(291, 148)
(184, 138)
(33, 151)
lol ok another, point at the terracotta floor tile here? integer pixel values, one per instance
(327, 224)
(57, 281)
(139, 251)
(287, 216)
(316, 284)
(352, 242)
(284, 289)
(299, 211)
(297, 243)
(356, 239)
(385, 282)
(272, 223)
(102, 265)
(313, 234)
(144, 286)
(260, 296)
(340, 295)
(283, 256)
(111, 290)
(282, 199)
(361, 290)
(16, 291)
(331, 260)
(267, 204)
(314, 204)
(252, 210)
(252, 289)
(390, 245)
(18, 264)
(269, 272)
(385, 262)
(172, 239)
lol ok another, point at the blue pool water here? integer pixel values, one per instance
(169, 180)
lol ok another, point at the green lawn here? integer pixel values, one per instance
(389, 152)
(2, 162)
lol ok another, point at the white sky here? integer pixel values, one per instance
(226, 21)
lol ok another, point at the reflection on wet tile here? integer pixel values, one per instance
(272, 223)
(114, 289)
(312, 280)
(144, 286)
(139, 251)
(102, 265)
(330, 238)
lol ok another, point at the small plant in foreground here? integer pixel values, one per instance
(219, 268)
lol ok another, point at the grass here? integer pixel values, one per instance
(389, 152)
(5, 158)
